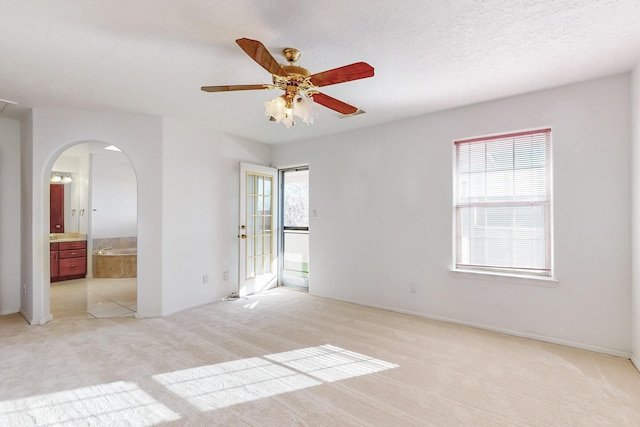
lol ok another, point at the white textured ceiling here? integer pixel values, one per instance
(152, 56)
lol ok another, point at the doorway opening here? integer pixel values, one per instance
(294, 221)
(93, 242)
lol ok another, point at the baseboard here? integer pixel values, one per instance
(32, 321)
(10, 311)
(26, 317)
(635, 361)
(147, 315)
(551, 340)
(175, 310)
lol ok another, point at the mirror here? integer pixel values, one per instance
(63, 198)
(75, 163)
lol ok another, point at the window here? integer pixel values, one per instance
(503, 203)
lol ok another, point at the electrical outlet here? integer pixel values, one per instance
(225, 276)
(413, 287)
(205, 279)
(24, 288)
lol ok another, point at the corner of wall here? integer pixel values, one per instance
(635, 218)
(26, 204)
(635, 361)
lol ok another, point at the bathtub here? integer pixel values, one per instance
(115, 263)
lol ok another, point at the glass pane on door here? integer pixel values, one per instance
(296, 254)
(296, 199)
(295, 228)
(259, 225)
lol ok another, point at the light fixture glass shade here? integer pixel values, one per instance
(275, 108)
(60, 178)
(302, 107)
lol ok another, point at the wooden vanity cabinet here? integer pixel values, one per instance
(53, 258)
(71, 260)
(56, 208)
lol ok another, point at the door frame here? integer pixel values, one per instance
(302, 284)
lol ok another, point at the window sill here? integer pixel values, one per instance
(547, 282)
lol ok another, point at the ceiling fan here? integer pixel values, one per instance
(299, 85)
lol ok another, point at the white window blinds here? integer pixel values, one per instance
(502, 203)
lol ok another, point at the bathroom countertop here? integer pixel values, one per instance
(67, 237)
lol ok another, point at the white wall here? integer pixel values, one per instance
(46, 134)
(29, 301)
(200, 211)
(383, 198)
(9, 216)
(187, 177)
(635, 159)
(114, 196)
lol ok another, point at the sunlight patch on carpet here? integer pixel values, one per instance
(118, 403)
(329, 363)
(224, 384)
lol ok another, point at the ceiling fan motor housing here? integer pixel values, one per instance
(291, 54)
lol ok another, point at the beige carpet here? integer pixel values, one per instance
(284, 358)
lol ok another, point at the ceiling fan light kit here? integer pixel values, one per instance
(299, 85)
(282, 109)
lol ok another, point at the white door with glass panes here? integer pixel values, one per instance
(258, 266)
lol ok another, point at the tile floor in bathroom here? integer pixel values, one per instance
(93, 298)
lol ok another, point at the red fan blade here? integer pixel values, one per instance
(236, 87)
(261, 55)
(359, 70)
(334, 104)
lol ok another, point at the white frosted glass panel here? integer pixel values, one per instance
(266, 260)
(259, 266)
(251, 231)
(267, 204)
(259, 224)
(251, 272)
(250, 246)
(251, 184)
(267, 244)
(267, 187)
(259, 205)
(258, 246)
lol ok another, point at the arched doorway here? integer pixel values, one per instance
(99, 201)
